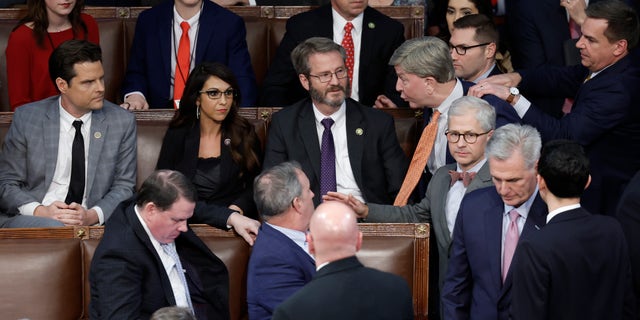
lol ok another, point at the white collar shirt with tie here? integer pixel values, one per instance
(356, 34)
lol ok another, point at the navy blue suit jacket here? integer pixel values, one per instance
(605, 120)
(575, 267)
(381, 36)
(473, 287)
(278, 268)
(221, 38)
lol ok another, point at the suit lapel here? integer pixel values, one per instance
(51, 137)
(205, 34)
(97, 137)
(493, 236)
(164, 21)
(355, 142)
(367, 40)
(309, 136)
(442, 184)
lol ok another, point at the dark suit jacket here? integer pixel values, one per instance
(377, 161)
(128, 280)
(473, 288)
(605, 120)
(629, 216)
(29, 156)
(575, 267)
(221, 38)
(381, 35)
(179, 152)
(345, 289)
(278, 268)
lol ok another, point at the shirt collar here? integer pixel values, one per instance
(456, 93)
(192, 21)
(336, 116)
(339, 21)
(561, 210)
(475, 168)
(523, 209)
(66, 119)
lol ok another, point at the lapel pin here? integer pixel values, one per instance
(371, 25)
(359, 131)
(97, 135)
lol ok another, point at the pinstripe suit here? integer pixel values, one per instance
(30, 153)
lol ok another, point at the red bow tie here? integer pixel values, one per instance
(466, 177)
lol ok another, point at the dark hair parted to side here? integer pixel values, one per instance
(275, 189)
(622, 21)
(37, 14)
(301, 53)
(564, 166)
(67, 54)
(486, 31)
(234, 127)
(164, 188)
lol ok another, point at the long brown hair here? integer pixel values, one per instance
(238, 130)
(37, 13)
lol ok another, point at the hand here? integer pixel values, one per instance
(576, 9)
(135, 101)
(245, 227)
(72, 214)
(511, 79)
(361, 209)
(383, 102)
(480, 90)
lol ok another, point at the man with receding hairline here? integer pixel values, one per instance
(342, 287)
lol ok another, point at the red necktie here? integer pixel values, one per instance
(183, 63)
(347, 43)
(419, 160)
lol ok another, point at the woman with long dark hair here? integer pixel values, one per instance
(48, 23)
(211, 143)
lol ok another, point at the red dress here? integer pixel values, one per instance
(28, 64)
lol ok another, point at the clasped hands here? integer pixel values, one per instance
(73, 214)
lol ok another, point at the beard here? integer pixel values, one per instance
(323, 97)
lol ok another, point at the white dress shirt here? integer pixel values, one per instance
(455, 195)
(194, 26)
(356, 34)
(438, 157)
(523, 210)
(297, 236)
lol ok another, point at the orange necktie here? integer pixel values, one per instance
(419, 160)
(347, 43)
(183, 64)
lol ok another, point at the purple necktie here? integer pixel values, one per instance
(327, 159)
(510, 242)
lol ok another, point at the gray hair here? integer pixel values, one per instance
(275, 189)
(301, 53)
(425, 57)
(514, 137)
(484, 112)
(172, 313)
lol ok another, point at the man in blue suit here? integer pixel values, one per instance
(604, 118)
(489, 223)
(577, 265)
(215, 35)
(280, 262)
(37, 160)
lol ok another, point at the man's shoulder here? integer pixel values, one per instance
(112, 110)
(487, 196)
(211, 9)
(292, 111)
(307, 17)
(371, 114)
(373, 14)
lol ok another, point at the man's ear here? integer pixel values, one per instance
(588, 183)
(312, 248)
(359, 243)
(304, 81)
(62, 85)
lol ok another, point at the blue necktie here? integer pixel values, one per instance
(171, 251)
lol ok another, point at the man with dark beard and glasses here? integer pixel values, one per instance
(358, 152)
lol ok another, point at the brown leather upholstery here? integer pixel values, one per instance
(265, 29)
(44, 272)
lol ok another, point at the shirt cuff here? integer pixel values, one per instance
(522, 106)
(100, 215)
(29, 208)
(134, 92)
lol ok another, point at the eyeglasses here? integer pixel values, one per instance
(327, 76)
(215, 94)
(462, 50)
(469, 137)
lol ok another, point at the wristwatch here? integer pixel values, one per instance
(513, 92)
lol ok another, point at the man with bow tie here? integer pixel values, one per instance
(470, 124)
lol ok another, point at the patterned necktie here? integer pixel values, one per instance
(347, 43)
(183, 64)
(171, 251)
(419, 160)
(510, 242)
(76, 183)
(574, 29)
(327, 159)
(466, 177)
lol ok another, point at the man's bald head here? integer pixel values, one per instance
(333, 232)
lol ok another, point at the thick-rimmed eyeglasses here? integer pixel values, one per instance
(462, 50)
(215, 94)
(327, 76)
(469, 137)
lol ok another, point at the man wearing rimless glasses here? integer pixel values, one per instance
(473, 47)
